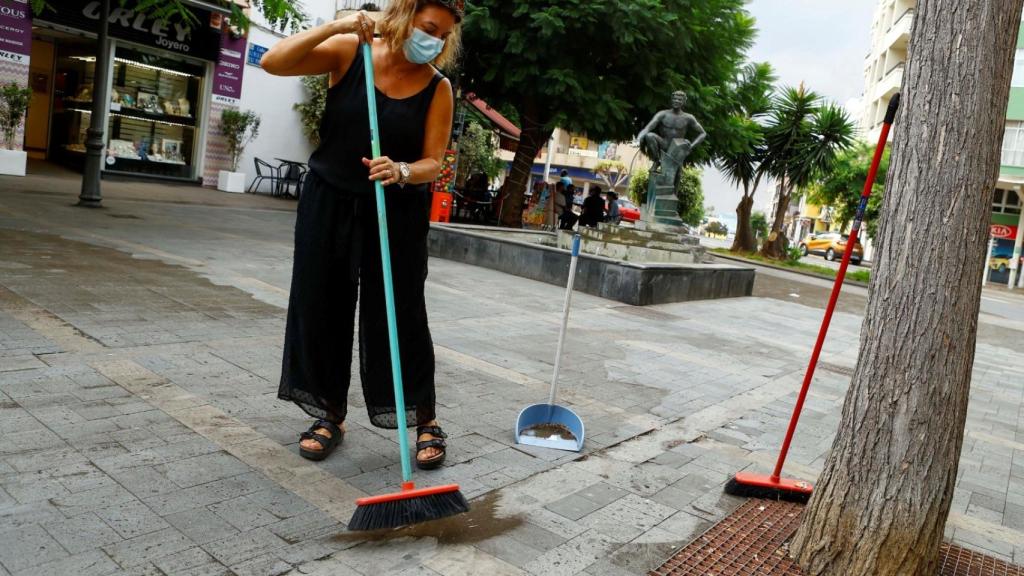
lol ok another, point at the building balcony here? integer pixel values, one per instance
(890, 83)
(898, 35)
(575, 158)
(357, 4)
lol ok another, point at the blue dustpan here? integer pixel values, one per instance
(550, 425)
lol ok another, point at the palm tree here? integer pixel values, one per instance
(741, 163)
(802, 140)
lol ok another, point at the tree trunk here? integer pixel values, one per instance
(532, 138)
(744, 240)
(881, 503)
(775, 244)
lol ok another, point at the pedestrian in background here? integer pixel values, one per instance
(593, 208)
(565, 178)
(614, 215)
(568, 219)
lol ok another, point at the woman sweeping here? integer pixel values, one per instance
(337, 251)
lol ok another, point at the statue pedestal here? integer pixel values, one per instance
(662, 209)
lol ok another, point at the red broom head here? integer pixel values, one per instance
(410, 506)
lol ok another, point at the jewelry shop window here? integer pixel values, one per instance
(154, 115)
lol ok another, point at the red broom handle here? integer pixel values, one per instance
(890, 116)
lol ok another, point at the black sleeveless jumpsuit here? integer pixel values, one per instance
(338, 261)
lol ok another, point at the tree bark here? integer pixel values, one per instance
(881, 503)
(744, 240)
(532, 138)
(776, 244)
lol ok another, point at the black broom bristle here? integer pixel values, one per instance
(398, 513)
(734, 488)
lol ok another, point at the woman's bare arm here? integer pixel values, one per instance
(438, 132)
(321, 50)
(435, 141)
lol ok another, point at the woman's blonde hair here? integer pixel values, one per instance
(396, 26)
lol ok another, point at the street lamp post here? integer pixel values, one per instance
(91, 195)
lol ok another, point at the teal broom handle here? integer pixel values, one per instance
(385, 257)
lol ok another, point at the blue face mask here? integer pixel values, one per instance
(422, 48)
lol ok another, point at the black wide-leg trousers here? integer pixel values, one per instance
(337, 264)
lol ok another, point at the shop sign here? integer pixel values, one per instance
(256, 53)
(1003, 232)
(199, 38)
(15, 31)
(227, 75)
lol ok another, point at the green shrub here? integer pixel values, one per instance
(14, 101)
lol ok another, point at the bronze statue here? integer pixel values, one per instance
(664, 139)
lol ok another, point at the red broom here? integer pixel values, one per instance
(776, 487)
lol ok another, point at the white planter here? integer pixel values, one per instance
(12, 162)
(231, 181)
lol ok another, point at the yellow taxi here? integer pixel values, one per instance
(831, 245)
(1000, 259)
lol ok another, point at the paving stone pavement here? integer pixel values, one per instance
(140, 433)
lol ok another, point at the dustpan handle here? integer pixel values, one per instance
(565, 316)
(385, 256)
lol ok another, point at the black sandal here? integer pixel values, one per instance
(327, 445)
(436, 442)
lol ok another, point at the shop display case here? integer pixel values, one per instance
(153, 114)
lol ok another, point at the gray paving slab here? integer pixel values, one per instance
(146, 548)
(676, 398)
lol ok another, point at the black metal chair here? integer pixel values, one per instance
(265, 171)
(292, 174)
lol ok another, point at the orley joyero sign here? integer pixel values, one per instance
(199, 38)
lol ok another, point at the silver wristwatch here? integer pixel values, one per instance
(404, 172)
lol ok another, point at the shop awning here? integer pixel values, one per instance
(223, 8)
(504, 125)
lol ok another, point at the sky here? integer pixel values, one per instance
(822, 43)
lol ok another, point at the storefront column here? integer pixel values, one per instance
(1015, 261)
(91, 194)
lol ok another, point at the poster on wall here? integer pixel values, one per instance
(227, 75)
(1002, 253)
(15, 31)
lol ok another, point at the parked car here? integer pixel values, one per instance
(629, 211)
(831, 245)
(1000, 260)
(999, 263)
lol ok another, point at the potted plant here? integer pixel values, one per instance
(14, 101)
(239, 128)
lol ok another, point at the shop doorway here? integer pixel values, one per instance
(61, 80)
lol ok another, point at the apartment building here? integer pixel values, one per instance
(884, 64)
(883, 77)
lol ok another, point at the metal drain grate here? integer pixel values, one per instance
(753, 541)
(957, 561)
(749, 542)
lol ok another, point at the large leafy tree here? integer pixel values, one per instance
(801, 141)
(602, 67)
(840, 188)
(477, 153)
(690, 193)
(740, 160)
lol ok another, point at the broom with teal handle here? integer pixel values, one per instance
(411, 505)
